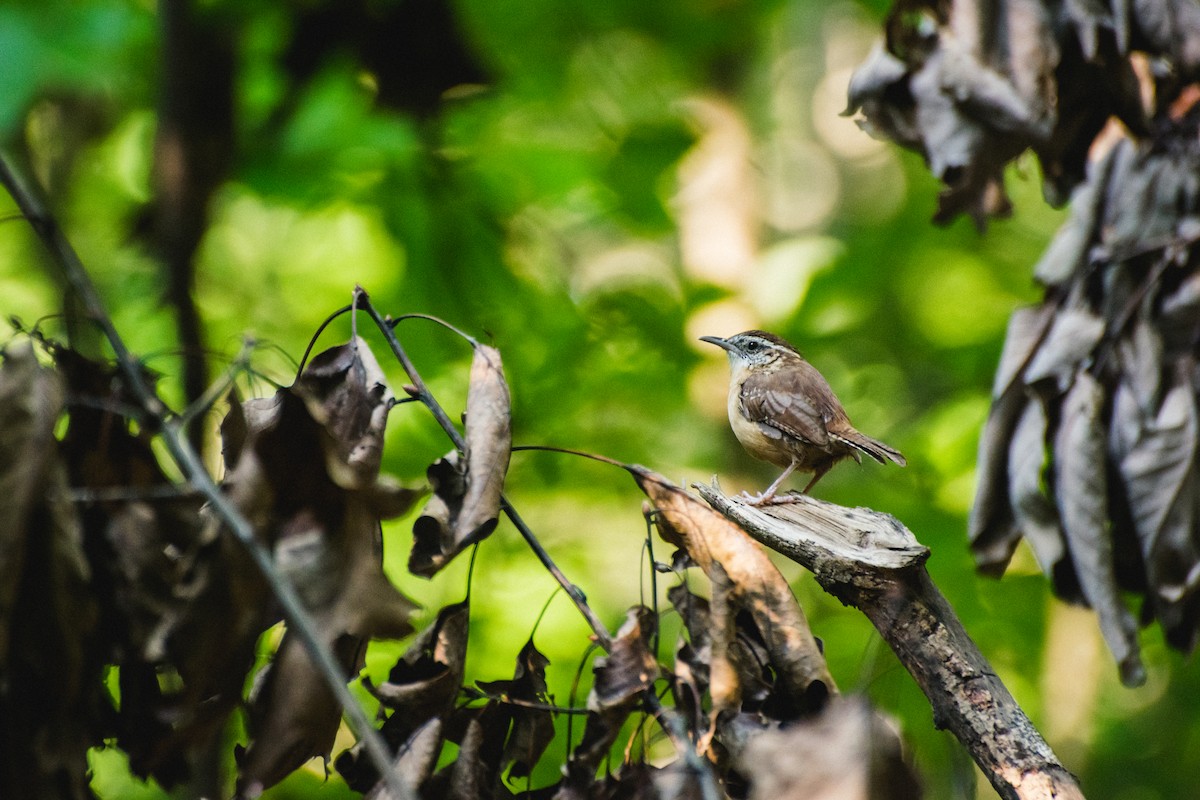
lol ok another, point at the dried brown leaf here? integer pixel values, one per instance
(1069, 249)
(1027, 327)
(1072, 338)
(992, 529)
(759, 588)
(1140, 353)
(294, 716)
(421, 686)
(416, 760)
(1081, 492)
(726, 681)
(348, 387)
(692, 655)
(465, 507)
(426, 679)
(470, 776)
(1034, 513)
(620, 679)
(1159, 473)
(532, 728)
(307, 479)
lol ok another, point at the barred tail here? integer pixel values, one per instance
(872, 447)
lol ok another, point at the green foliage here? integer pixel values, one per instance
(572, 211)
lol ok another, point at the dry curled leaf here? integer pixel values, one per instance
(1082, 494)
(416, 760)
(1160, 474)
(757, 588)
(307, 478)
(532, 728)
(1035, 515)
(467, 488)
(421, 686)
(620, 678)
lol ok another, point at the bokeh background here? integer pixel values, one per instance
(590, 187)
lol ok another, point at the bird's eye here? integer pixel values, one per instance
(752, 345)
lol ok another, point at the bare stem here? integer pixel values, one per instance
(170, 427)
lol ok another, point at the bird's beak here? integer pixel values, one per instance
(719, 342)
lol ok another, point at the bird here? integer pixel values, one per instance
(783, 411)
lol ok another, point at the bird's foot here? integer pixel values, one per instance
(768, 498)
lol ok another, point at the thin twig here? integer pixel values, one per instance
(479, 694)
(422, 393)
(429, 317)
(317, 334)
(215, 392)
(192, 467)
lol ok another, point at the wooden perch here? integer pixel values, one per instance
(870, 561)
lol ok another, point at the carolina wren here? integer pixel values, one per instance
(783, 411)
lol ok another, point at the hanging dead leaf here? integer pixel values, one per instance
(726, 681)
(1159, 473)
(1070, 248)
(294, 716)
(1081, 492)
(465, 507)
(692, 656)
(421, 686)
(532, 728)
(1033, 512)
(416, 760)
(480, 734)
(620, 678)
(348, 386)
(991, 527)
(307, 479)
(1072, 338)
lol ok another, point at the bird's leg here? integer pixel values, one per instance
(769, 495)
(818, 473)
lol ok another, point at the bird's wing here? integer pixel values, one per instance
(775, 401)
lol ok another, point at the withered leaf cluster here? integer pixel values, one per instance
(103, 561)
(972, 84)
(1090, 450)
(304, 469)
